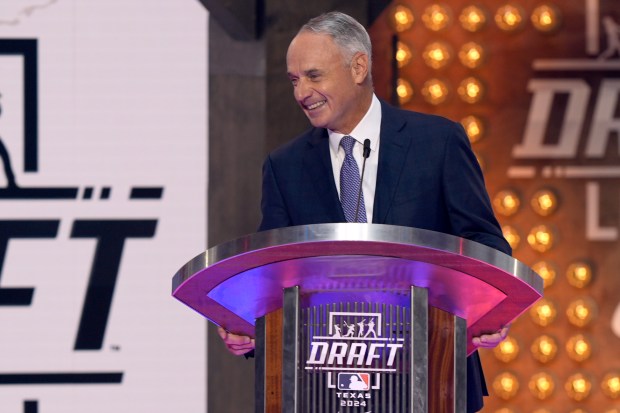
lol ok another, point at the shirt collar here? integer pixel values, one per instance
(368, 128)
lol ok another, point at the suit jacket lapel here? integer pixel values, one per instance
(393, 147)
(318, 165)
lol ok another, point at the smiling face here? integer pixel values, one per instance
(333, 91)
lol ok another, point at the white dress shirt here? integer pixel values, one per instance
(368, 128)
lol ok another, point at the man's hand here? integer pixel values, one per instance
(491, 340)
(237, 345)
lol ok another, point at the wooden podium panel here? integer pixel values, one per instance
(441, 364)
(273, 362)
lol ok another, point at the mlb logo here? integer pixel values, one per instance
(354, 381)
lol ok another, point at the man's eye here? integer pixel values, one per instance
(294, 82)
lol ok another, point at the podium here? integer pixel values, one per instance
(355, 317)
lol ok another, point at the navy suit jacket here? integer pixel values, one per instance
(427, 177)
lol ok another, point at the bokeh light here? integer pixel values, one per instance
(507, 350)
(473, 18)
(474, 127)
(544, 348)
(546, 18)
(541, 385)
(543, 312)
(471, 90)
(544, 202)
(547, 272)
(404, 91)
(436, 17)
(579, 274)
(578, 386)
(435, 91)
(509, 17)
(581, 312)
(579, 347)
(611, 385)
(506, 385)
(437, 55)
(403, 54)
(471, 55)
(512, 236)
(506, 202)
(401, 18)
(541, 238)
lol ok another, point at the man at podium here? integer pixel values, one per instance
(366, 161)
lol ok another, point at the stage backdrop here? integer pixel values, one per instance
(103, 118)
(536, 84)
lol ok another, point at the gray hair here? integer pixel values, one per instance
(347, 33)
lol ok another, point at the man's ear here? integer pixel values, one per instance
(359, 67)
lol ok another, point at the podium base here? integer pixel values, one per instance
(300, 351)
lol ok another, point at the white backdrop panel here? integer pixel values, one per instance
(110, 199)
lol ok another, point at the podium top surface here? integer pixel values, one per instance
(236, 282)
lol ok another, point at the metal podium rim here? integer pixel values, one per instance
(362, 233)
(267, 258)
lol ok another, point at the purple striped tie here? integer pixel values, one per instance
(350, 184)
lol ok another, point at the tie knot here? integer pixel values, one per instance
(347, 143)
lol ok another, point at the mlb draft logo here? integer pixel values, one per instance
(354, 354)
(355, 350)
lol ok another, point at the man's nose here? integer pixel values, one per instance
(302, 91)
